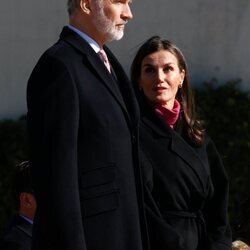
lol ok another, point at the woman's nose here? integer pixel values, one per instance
(160, 75)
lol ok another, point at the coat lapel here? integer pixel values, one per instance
(177, 144)
(154, 121)
(105, 76)
(190, 156)
(97, 66)
(23, 225)
(125, 87)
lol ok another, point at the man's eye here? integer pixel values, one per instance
(118, 1)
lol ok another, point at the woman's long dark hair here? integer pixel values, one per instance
(191, 126)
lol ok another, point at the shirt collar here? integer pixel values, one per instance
(88, 39)
(25, 218)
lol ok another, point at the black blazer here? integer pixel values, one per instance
(17, 236)
(83, 131)
(186, 189)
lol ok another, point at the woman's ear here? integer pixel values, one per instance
(139, 85)
(183, 74)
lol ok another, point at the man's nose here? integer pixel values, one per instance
(127, 13)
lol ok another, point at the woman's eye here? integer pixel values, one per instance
(148, 70)
(167, 69)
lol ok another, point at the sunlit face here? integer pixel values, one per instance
(110, 18)
(160, 78)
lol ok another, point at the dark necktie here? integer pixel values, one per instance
(102, 54)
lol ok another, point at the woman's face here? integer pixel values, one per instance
(160, 78)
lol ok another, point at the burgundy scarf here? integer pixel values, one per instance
(171, 116)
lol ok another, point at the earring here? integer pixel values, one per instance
(180, 86)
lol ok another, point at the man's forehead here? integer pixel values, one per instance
(121, 1)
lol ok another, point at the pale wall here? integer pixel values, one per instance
(214, 36)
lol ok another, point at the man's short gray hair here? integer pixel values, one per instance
(73, 4)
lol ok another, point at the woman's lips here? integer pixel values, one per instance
(160, 88)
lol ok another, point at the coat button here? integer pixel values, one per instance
(133, 138)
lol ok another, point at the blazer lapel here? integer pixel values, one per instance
(90, 57)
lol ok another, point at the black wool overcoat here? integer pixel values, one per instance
(83, 132)
(186, 188)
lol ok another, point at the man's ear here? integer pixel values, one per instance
(26, 199)
(85, 6)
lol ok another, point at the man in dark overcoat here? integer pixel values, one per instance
(82, 126)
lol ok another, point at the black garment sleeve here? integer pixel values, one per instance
(53, 118)
(215, 210)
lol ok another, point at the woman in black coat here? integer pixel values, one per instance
(186, 188)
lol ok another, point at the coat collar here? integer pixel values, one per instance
(120, 95)
(22, 225)
(177, 144)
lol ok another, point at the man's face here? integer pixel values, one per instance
(110, 18)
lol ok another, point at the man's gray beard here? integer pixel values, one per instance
(106, 27)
